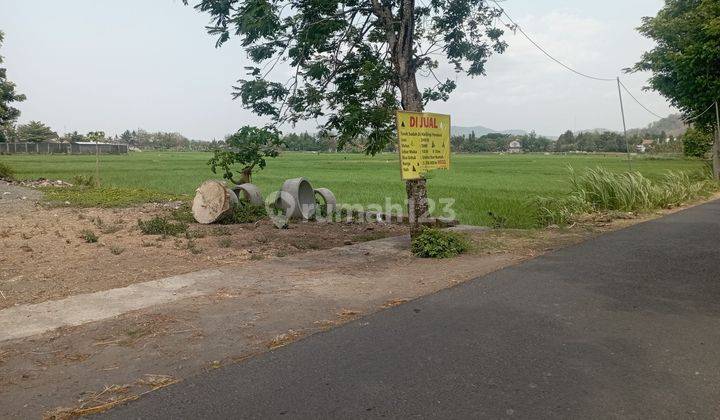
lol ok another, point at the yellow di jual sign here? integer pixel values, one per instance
(424, 140)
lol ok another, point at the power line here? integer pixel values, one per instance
(638, 102)
(516, 26)
(689, 120)
(602, 79)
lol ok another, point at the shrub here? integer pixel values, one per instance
(161, 226)
(6, 172)
(435, 243)
(697, 143)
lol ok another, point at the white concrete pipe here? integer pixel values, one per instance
(249, 192)
(297, 199)
(328, 198)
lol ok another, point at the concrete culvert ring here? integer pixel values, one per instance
(328, 200)
(303, 196)
(250, 192)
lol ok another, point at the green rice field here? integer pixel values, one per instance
(501, 184)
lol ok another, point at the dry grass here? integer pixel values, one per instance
(348, 314)
(394, 302)
(112, 396)
(283, 339)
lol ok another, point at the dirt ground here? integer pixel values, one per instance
(46, 257)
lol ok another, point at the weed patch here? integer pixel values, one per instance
(89, 236)
(161, 226)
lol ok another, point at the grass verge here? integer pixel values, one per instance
(104, 196)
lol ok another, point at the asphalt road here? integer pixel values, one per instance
(623, 326)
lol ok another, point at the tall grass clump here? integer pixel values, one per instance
(603, 190)
(599, 190)
(677, 188)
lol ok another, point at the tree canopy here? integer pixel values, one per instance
(697, 143)
(353, 63)
(35, 131)
(685, 64)
(248, 147)
(8, 114)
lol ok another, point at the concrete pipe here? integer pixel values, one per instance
(249, 192)
(297, 199)
(328, 198)
(212, 201)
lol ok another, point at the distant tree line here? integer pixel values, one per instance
(499, 142)
(589, 141)
(693, 143)
(308, 142)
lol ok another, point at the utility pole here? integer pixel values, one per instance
(716, 145)
(622, 112)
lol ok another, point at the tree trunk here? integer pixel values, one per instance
(400, 32)
(716, 156)
(716, 145)
(411, 100)
(246, 175)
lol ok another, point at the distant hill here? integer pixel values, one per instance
(596, 131)
(672, 125)
(479, 130)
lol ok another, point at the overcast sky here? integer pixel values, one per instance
(113, 65)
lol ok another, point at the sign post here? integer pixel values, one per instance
(424, 140)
